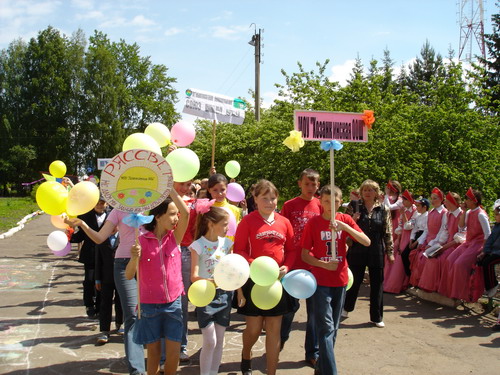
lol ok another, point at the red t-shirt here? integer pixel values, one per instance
(189, 235)
(299, 211)
(255, 237)
(317, 239)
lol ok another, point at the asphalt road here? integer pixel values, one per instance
(44, 329)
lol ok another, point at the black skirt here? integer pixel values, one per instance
(286, 304)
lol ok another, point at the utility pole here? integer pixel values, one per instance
(256, 39)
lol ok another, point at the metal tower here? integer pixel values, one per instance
(471, 30)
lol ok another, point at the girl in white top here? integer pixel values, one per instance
(207, 250)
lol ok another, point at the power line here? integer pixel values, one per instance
(230, 74)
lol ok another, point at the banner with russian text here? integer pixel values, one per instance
(214, 106)
(327, 126)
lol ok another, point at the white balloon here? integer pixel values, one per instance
(57, 240)
(231, 272)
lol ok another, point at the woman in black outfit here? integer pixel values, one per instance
(375, 221)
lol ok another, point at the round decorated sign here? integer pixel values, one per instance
(136, 180)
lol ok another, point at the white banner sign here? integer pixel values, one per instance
(214, 106)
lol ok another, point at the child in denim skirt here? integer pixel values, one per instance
(158, 257)
(207, 250)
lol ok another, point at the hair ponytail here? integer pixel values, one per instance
(214, 215)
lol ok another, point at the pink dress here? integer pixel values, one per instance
(417, 259)
(396, 280)
(464, 273)
(434, 267)
(394, 205)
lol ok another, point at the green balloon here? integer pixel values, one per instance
(266, 297)
(351, 279)
(184, 163)
(232, 168)
(264, 271)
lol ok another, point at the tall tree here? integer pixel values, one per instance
(423, 73)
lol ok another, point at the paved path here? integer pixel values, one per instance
(43, 328)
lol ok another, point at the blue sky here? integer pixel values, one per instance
(204, 44)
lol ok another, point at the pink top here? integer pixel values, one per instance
(475, 231)
(434, 221)
(160, 276)
(127, 234)
(452, 225)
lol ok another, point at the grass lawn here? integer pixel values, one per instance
(14, 209)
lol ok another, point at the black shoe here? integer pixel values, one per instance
(246, 366)
(311, 362)
(91, 312)
(496, 327)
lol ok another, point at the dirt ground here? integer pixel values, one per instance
(43, 328)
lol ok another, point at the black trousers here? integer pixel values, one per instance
(405, 258)
(488, 263)
(405, 254)
(109, 296)
(376, 291)
(91, 297)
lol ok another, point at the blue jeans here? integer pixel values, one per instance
(311, 341)
(328, 303)
(127, 290)
(186, 280)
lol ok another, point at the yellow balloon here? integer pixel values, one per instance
(159, 133)
(201, 292)
(57, 169)
(82, 198)
(266, 297)
(51, 197)
(141, 141)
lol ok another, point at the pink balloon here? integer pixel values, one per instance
(231, 228)
(182, 134)
(235, 192)
(63, 252)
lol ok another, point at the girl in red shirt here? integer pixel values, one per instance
(264, 232)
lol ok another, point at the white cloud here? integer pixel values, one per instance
(224, 16)
(341, 73)
(142, 21)
(17, 17)
(114, 22)
(173, 31)
(83, 4)
(10, 9)
(91, 15)
(42, 9)
(229, 33)
(269, 97)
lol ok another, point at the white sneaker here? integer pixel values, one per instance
(162, 368)
(183, 357)
(379, 324)
(344, 314)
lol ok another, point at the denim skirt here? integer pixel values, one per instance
(157, 321)
(218, 311)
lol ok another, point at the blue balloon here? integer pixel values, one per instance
(299, 284)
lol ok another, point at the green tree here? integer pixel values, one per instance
(11, 87)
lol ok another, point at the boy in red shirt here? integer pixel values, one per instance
(299, 211)
(330, 272)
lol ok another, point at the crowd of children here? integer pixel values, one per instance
(441, 245)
